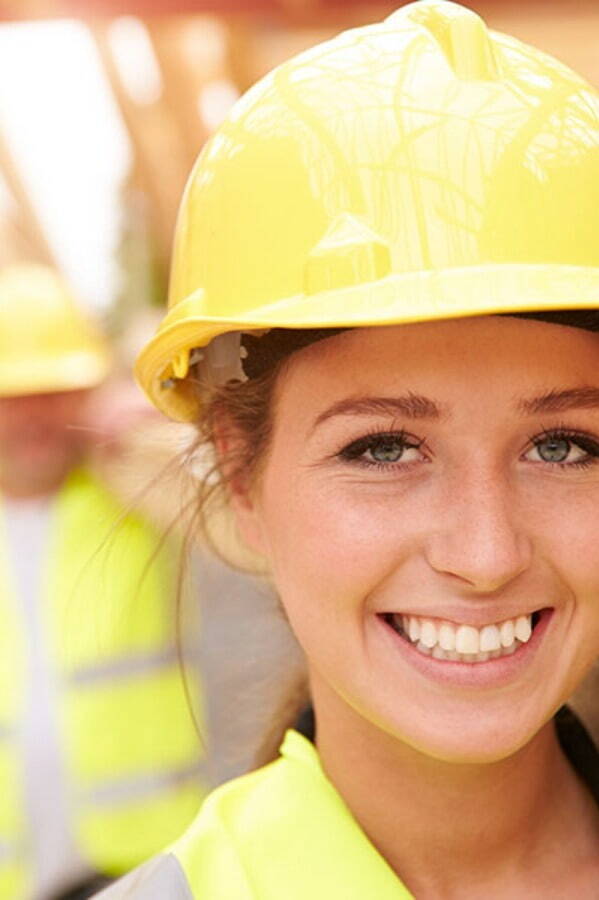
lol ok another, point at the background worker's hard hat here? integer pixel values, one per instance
(420, 168)
(46, 342)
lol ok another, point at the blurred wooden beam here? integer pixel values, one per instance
(241, 54)
(575, 18)
(162, 157)
(26, 9)
(310, 11)
(172, 41)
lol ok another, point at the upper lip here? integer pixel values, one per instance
(479, 617)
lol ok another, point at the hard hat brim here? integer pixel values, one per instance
(397, 299)
(45, 375)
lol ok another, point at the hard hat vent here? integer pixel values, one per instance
(349, 253)
(461, 34)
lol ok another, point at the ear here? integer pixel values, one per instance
(243, 492)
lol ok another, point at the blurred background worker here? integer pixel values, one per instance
(99, 758)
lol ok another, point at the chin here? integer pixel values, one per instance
(475, 739)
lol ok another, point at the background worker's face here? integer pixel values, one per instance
(448, 473)
(40, 440)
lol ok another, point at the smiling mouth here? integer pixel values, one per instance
(450, 641)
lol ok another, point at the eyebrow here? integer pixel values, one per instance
(417, 406)
(412, 406)
(561, 401)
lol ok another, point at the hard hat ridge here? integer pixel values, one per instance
(461, 33)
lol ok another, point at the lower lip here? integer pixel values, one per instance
(492, 673)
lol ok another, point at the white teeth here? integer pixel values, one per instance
(447, 636)
(490, 639)
(465, 643)
(428, 634)
(466, 639)
(523, 628)
(414, 629)
(507, 633)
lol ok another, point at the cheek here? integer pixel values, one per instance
(567, 533)
(328, 544)
(565, 528)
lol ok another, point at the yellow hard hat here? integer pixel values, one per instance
(46, 343)
(420, 168)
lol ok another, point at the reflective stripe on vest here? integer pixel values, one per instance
(14, 874)
(280, 832)
(162, 878)
(128, 741)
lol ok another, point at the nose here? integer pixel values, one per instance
(479, 537)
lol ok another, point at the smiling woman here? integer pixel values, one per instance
(390, 346)
(428, 544)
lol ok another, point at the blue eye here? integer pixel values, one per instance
(386, 451)
(383, 449)
(564, 448)
(553, 449)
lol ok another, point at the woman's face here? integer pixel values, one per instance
(430, 494)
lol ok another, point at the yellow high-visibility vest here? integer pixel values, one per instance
(127, 738)
(280, 833)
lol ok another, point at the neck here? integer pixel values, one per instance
(15, 485)
(26, 493)
(440, 825)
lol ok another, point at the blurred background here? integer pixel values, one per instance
(104, 104)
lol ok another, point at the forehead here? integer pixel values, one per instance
(446, 359)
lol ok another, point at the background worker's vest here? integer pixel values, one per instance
(127, 739)
(281, 833)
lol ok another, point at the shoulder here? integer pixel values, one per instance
(236, 825)
(87, 504)
(205, 861)
(282, 831)
(231, 840)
